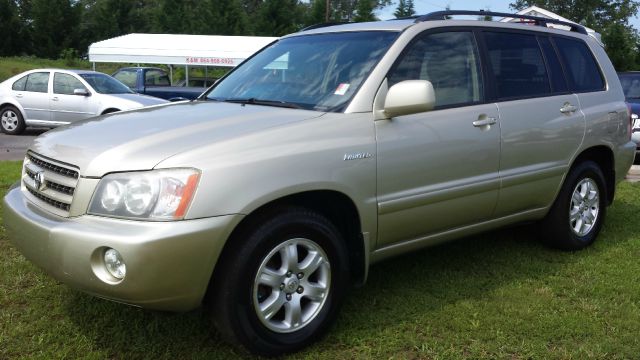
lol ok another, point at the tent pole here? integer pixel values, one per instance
(186, 75)
(206, 76)
(94, 65)
(171, 73)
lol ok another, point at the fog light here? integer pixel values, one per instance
(114, 264)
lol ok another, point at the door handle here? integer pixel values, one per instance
(484, 121)
(567, 108)
(19, 95)
(54, 98)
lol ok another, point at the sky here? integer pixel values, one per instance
(427, 6)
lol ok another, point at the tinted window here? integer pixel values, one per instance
(156, 78)
(38, 82)
(449, 61)
(65, 84)
(630, 84)
(582, 69)
(518, 65)
(127, 77)
(19, 85)
(558, 81)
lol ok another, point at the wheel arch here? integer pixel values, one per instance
(335, 206)
(603, 156)
(16, 105)
(109, 111)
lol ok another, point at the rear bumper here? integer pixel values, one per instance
(169, 264)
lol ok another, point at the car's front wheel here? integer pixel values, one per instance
(279, 285)
(576, 217)
(11, 121)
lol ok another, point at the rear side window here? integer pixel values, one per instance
(19, 85)
(38, 82)
(518, 65)
(156, 78)
(581, 67)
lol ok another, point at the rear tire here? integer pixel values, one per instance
(279, 285)
(577, 215)
(11, 121)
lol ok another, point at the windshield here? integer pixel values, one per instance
(105, 84)
(630, 85)
(315, 72)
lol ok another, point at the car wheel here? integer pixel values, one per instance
(577, 215)
(11, 121)
(279, 286)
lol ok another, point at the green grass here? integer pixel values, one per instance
(500, 295)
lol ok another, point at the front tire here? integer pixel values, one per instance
(279, 285)
(11, 121)
(577, 215)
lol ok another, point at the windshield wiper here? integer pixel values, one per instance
(254, 101)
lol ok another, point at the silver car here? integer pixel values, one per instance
(329, 150)
(53, 97)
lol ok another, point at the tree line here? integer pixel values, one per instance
(65, 28)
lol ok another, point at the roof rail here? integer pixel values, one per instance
(321, 25)
(539, 21)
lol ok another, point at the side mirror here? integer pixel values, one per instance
(409, 97)
(81, 92)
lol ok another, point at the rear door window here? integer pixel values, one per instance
(518, 65)
(38, 82)
(556, 73)
(582, 70)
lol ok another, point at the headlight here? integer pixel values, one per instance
(152, 195)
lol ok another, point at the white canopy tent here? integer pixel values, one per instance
(169, 49)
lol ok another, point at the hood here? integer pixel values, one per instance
(140, 139)
(131, 101)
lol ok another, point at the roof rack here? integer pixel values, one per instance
(539, 21)
(321, 25)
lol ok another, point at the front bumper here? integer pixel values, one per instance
(169, 264)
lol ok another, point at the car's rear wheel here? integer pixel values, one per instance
(280, 284)
(577, 215)
(11, 121)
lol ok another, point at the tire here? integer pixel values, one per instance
(577, 215)
(11, 121)
(296, 298)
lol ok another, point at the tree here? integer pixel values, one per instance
(53, 26)
(405, 8)
(278, 17)
(364, 11)
(596, 14)
(10, 27)
(621, 45)
(608, 17)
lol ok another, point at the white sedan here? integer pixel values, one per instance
(53, 97)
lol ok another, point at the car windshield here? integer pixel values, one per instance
(630, 85)
(105, 84)
(315, 72)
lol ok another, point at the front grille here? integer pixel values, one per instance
(55, 203)
(52, 167)
(51, 183)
